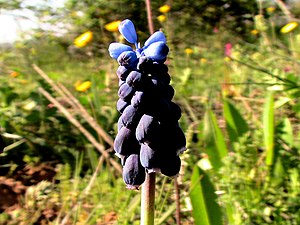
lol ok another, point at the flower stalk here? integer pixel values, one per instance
(148, 187)
(148, 200)
(149, 16)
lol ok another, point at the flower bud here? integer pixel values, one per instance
(127, 29)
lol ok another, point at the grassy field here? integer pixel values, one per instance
(240, 114)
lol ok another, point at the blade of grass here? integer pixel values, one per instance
(206, 210)
(167, 214)
(215, 145)
(268, 128)
(235, 124)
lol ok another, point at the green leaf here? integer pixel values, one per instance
(206, 210)
(235, 124)
(215, 145)
(287, 132)
(278, 172)
(268, 128)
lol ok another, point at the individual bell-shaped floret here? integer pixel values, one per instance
(125, 143)
(150, 158)
(131, 116)
(121, 105)
(157, 51)
(175, 111)
(125, 92)
(115, 49)
(147, 130)
(173, 138)
(133, 172)
(170, 165)
(159, 68)
(121, 82)
(166, 111)
(157, 36)
(160, 109)
(138, 99)
(168, 92)
(134, 79)
(120, 124)
(128, 59)
(145, 64)
(123, 72)
(164, 77)
(127, 29)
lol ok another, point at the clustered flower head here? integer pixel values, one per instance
(149, 138)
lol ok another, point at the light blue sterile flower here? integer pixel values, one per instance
(157, 51)
(115, 49)
(157, 36)
(127, 29)
(155, 46)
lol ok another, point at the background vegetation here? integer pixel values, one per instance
(236, 76)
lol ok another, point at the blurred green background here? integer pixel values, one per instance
(235, 67)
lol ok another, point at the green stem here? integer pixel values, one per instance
(265, 71)
(148, 200)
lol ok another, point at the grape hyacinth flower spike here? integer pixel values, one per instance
(149, 137)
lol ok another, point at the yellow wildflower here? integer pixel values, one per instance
(254, 32)
(161, 18)
(188, 51)
(30, 105)
(112, 26)
(227, 59)
(82, 87)
(77, 83)
(164, 9)
(23, 81)
(203, 60)
(83, 39)
(271, 9)
(14, 74)
(288, 27)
